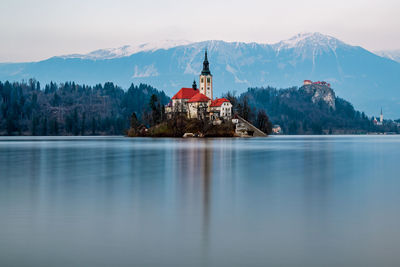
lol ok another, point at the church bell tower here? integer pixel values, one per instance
(206, 87)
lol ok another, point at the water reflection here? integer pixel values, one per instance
(194, 184)
(308, 201)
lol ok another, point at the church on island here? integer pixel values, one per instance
(198, 103)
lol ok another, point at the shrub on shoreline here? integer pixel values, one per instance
(179, 125)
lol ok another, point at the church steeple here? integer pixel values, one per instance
(194, 86)
(206, 65)
(206, 87)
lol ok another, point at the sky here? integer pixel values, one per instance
(33, 30)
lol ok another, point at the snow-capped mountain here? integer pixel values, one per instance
(390, 54)
(365, 79)
(127, 50)
(309, 41)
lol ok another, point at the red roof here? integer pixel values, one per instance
(198, 98)
(185, 93)
(218, 102)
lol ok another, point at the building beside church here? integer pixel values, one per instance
(198, 102)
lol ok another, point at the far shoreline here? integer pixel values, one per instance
(188, 138)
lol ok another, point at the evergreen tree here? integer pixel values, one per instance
(56, 100)
(44, 126)
(75, 123)
(245, 110)
(155, 107)
(10, 125)
(134, 126)
(134, 121)
(263, 122)
(83, 123)
(292, 127)
(35, 124)
(93, 126)
(54, 127)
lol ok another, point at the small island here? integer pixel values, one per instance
(193, 112)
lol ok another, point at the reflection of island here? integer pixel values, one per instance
(207, 168)
(194, 183)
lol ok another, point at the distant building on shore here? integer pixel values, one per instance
(198, 102)
(380, 121)
(276, 129)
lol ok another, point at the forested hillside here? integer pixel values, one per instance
(27, 108)
(309, 109)
(71, 109)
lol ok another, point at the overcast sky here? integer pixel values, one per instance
(34, 30)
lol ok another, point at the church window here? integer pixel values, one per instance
(202, 80)
(208, 80)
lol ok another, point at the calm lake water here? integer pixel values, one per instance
(279, 201)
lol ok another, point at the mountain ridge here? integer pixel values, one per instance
(390, 54)
(128, 50)
(365, 79)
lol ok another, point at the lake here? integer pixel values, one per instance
(278, 201)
